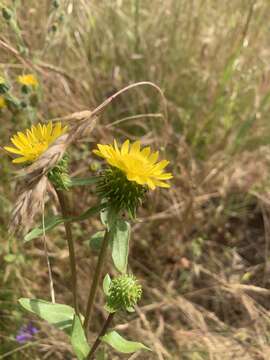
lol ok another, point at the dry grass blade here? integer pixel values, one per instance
(159, 348)
(29, 203)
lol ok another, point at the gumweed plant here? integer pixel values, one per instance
(129, 172)
(30, 94)
(28, 82)
(21, 97)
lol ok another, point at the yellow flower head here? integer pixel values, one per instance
(28, 80)
(139, 165)
(35, 141)
(2, 102)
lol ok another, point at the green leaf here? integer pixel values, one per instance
(83, 181)
(53, 221)
(50, 223)
(10, 258)
(120, 245)
(59, 315)
(90, 212)
(122, 345)
(249, 122)
(78, 339)
(108, 217)
(103, 216)
(95, 241)
(106, 284)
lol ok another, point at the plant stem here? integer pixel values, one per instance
(95, 281)
(98, 340)
(66, 213)
(47, 259)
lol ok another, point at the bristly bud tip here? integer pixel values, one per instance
(124, 293)
(6, 13)
(4, 87)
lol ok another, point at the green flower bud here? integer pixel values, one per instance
(23, 104)
(59, 175)
(25, 89)
(12, 102)
(4, 87)
(56, 4)
(61, 17)
(33, 100)
(119, 192)
(54, 28)
(124, 293)
(6, 13)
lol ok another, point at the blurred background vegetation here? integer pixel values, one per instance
(201, 249)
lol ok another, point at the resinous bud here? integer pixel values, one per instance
(124, 293)
(6, 13)
(4, 87)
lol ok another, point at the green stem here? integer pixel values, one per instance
(66, 212)
(102, 333)
(95, 281)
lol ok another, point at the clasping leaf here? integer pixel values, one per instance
(122, 345)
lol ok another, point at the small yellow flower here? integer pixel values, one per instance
(2, 102)
(28, 80)
(139, 165)
(35, 141)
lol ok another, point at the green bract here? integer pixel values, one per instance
(120, 193)
(59, 175)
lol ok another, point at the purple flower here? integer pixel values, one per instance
(26, 333)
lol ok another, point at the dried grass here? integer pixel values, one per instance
(201, 249)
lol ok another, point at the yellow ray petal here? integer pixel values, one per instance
(13, 150)
(50, 128)
(20, 160)
(57, 130)
(165, 176)
(153, 157)
(151, 184)
(17, 142)
(161, 165)
(162, 184)
(146, 151)
(22, 138)
(98, 153)
(125, 147)
(135, 147)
